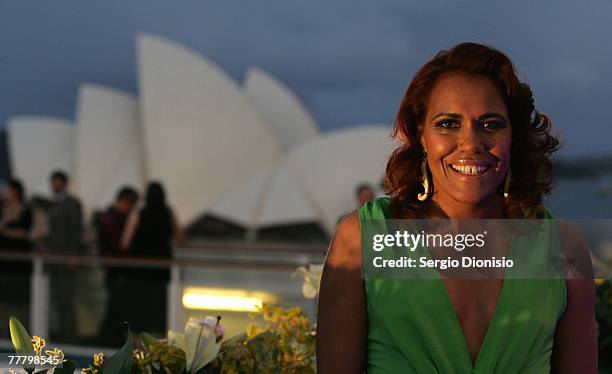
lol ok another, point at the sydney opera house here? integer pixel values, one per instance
(244, 161)
(239, 158)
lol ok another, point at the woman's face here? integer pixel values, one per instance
(467, 137)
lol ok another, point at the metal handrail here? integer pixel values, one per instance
(218, 255)
(134, 261)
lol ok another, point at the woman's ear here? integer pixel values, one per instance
(422, 139)
(423, 144)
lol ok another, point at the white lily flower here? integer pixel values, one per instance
(198, 342)
(214, 323)
(312, 280)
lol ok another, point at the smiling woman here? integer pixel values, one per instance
(467, 97)
(473, 147)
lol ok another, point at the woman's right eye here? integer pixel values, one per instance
(448, 124)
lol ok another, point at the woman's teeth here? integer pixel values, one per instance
(470, 169)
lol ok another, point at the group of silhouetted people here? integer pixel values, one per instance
(136, 295)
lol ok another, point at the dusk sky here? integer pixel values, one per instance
(349, 62)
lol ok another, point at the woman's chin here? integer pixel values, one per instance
(471, 198)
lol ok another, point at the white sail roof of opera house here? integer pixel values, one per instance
(330, 167)
(108, 151)
(271, 197)
(38, 146)
(291, 122)
(202, 134)
(247, 204)
(315, 182)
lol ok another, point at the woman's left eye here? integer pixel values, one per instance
(492, 125)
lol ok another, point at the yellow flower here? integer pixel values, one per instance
(296, 311)
(56, 352)
(38, 344)
(98, 359)
(139, 355)
(252, 331)
(599, 281)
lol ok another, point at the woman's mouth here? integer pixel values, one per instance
(470, 169)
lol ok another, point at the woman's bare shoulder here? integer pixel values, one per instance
(345, 248)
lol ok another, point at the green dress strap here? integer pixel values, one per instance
(413, 328)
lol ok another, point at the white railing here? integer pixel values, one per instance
(220, 256)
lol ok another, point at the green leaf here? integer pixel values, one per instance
(147, 340)
(236, 339)
(121, 361)
(68, 367)
(22, 342)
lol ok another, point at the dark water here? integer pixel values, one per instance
(583, 199)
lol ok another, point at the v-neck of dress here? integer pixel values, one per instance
(451, 313)
(425, 336)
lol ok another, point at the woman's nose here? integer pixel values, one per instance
(470, 140)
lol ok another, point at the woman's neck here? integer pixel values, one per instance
(490, 208)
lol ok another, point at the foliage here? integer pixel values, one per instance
(280, 341)
(120, 362)
(158, 355)
(24, 344)
(20, 337)
(284, 343)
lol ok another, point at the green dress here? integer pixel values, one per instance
(413, 328)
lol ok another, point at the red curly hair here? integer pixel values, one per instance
(532, 142)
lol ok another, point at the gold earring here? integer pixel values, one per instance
(425, 183)
(507, 184)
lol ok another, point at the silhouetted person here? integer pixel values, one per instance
(149, 233)
(110, 227)
(15, 217)
(364, 194)
(65, 234)
(15, 226)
